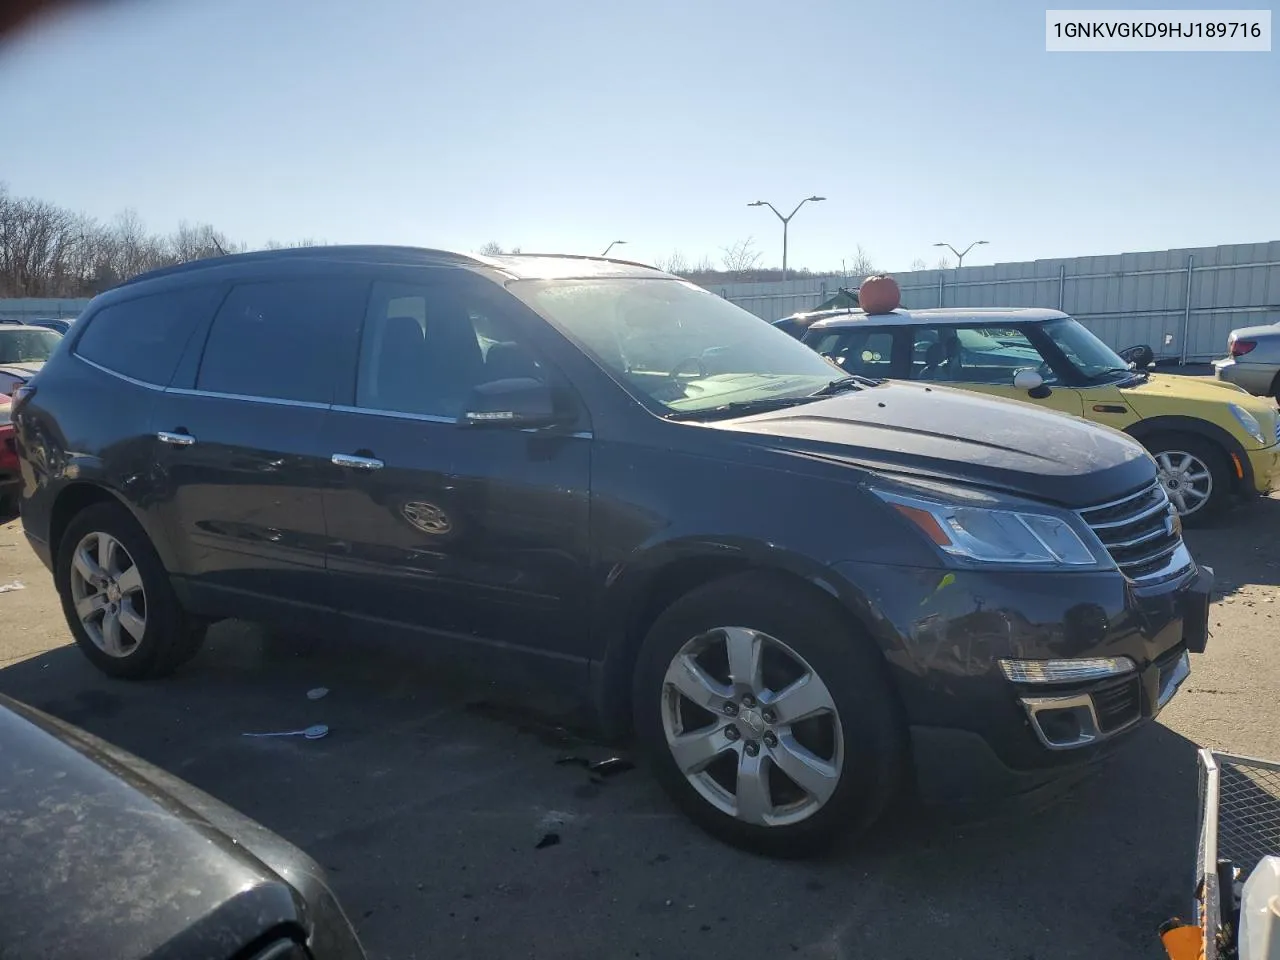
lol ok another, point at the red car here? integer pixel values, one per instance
(10, 479)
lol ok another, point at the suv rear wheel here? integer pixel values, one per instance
(117, 597)
(765, 717)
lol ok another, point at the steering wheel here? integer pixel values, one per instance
(674, 374)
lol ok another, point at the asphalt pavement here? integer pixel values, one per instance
(450, 829)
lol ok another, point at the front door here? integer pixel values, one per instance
(243, 453)
(445, 532)
(984, 358)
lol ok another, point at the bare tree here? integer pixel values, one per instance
(919, 264)
(943, 264)
(741, 257)
(198, 242)
(860, 264)
(494, 249)
(675, 263)
(292, 244)
(49, 251)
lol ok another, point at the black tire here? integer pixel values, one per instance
(170, 637)
(853, 670)
(1215, 459)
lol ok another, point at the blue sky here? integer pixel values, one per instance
(561, 126)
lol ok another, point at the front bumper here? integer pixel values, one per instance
(974, 732)
(1264, 464)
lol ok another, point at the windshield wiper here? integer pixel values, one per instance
(1111, 371)
(842, 384)
(740, 407)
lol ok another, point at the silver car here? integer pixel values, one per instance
(1253, 360)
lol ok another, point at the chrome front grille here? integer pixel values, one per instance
(1142, 533)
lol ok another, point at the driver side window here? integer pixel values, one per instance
(974, 354)
(424, 348)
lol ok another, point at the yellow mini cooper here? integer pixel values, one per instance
(1212, 441)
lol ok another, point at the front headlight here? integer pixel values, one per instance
(986, 534)
(1066, 671)
(1249, 422)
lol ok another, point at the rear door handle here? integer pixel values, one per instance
(177, 439)
(356, 463)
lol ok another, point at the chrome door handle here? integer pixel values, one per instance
(356, 463)
(177, 439)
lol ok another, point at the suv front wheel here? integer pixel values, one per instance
(117, 597)
(767, 718)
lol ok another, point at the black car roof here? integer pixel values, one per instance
(521, 266)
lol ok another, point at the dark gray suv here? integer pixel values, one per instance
(795, 587)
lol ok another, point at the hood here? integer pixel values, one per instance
(946, 434)
(25, 370)
(107, 856)
(1150, 398)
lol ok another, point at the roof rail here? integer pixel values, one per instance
(575, 256)
(372, 253)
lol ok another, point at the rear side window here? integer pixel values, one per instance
(865, 352)
(144, 338)
(284, 339)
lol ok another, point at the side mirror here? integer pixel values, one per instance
(1032, 382)
(518, 402)
(1140, 357)
(1027, 380)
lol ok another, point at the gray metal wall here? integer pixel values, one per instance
(29, 309)
(1126, 298)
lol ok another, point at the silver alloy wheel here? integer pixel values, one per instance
(1186, 479)
(106, 588)
(752, 726)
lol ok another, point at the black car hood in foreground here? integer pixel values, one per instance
(104, 856)
(953, 435)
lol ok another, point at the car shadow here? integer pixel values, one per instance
(446, 815)
(1239, 558)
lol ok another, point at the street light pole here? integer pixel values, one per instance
(959, 255)
(611, 246)
(785, 221)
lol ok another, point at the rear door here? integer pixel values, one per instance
(244, 460)
(443, 532)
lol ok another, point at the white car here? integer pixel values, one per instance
(23, 351)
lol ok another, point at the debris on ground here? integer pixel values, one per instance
(548, 840)
(611, 766)
(556, 818)
(12, 585)
(607, 767)
(314, 732)
(317, 693)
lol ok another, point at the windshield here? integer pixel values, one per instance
(1087, 353)
(677, 345)
(27, 346)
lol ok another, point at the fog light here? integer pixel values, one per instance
(1059, 726)
(1066, 671)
